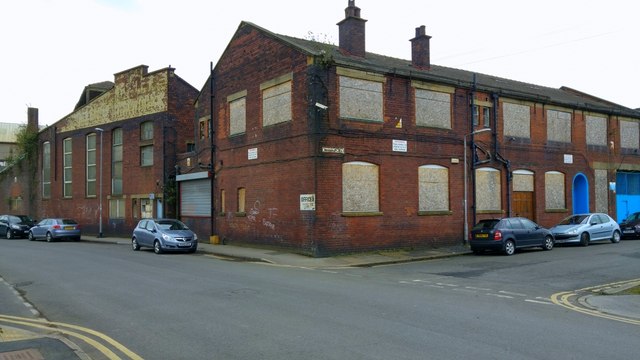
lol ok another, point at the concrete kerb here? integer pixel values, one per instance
(270, 256)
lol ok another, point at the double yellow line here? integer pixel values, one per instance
(568, 299)
(76, 332)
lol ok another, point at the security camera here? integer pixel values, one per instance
(322, 106)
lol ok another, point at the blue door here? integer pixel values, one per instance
(580, 194)
(627, 194)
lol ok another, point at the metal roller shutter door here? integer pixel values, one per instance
(195, 198)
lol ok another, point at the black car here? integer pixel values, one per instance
(630, 226)
(13, 226)
(509, 234)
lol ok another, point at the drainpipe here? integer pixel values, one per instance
(212, 159)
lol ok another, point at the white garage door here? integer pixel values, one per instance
(195, 197)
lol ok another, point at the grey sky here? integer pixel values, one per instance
(53, 48)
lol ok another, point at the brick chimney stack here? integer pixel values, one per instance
(351, 31)
(32, 119)
(420, 55)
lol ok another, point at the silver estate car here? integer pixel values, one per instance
(164, 235)
(585, 228)
(55, 229)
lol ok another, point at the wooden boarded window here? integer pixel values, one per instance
(554, 191)
(433, 109)
(276, 100)
(360, 99)
(360, 187)
(433, 181)
(488, 190)
(237, 113)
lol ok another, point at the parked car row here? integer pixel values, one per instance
(22, 226)
(504, 234)
(508, 234)
(162, 235)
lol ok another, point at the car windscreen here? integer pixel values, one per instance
(486, 224)
(171, 225)
(14, 219)
(574, 220)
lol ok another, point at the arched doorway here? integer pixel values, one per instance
(580, 194)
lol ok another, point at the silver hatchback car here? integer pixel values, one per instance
(164, 235)
(54, 229)
(585, 228)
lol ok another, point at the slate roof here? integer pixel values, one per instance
(8, 132)
(564, 96)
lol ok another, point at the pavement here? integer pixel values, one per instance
(18, 343)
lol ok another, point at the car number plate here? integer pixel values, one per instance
(184, 245)
(69, 227)
(628, 231)
(482, 236)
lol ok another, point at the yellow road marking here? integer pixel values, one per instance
(564, 299)
(55, 326)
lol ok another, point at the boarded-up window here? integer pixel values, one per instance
(242, 198)
(223, 208)
(602, 191)
(433, 109)
(360, 191)
(523, 181)
(554, 190)
(596, 130)
(558, 126)
(276, 104)
(488, 190)
(360, 99)
(629, 134)
(517, 120)
(433, 181)
(238, 116)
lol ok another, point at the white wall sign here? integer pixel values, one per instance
(568, 159)
(333, 150)
(400, 145)
(307, 201)
(252, 153)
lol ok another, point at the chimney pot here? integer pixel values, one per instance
(420, 53)
(352, 31)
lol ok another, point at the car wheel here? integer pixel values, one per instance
(509, 247)
(548, 243)
(30, 236)
(49, 237)
(616, 237)
(156, 247)
(134, 244)
(584, 239)
(9, 234)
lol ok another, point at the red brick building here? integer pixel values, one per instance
(117, 149)
(326, 149)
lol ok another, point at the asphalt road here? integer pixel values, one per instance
(200, 307)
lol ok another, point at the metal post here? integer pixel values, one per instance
(466, 211)
(100, 185)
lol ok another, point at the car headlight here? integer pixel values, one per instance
(166, 237)
(16, 227)
(195, 237)
(572, 232)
